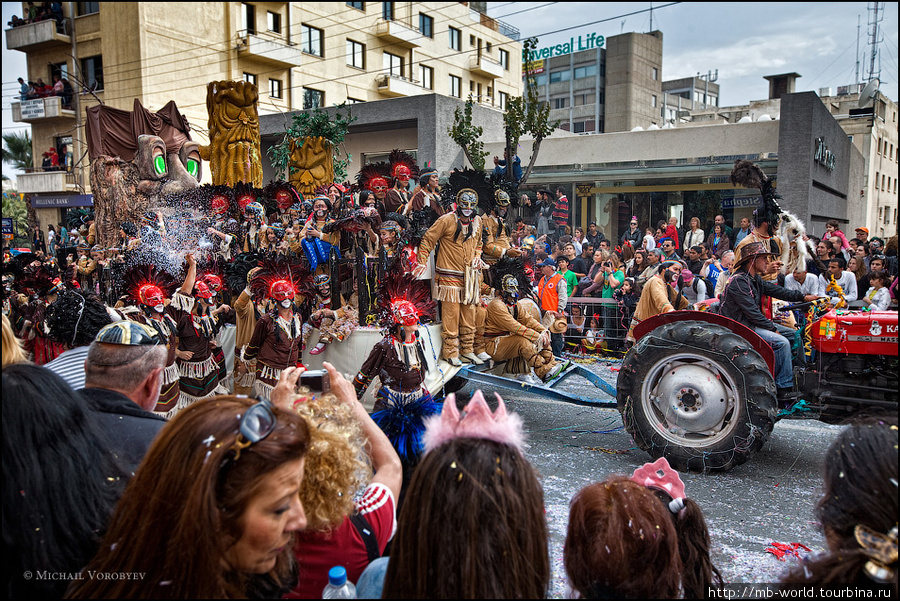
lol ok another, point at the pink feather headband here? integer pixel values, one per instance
(478, 422)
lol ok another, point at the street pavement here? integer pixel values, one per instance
(769, 499)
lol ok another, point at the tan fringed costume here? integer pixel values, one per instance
(457, 280)
(512, 332)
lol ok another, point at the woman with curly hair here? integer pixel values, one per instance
(73, 321)
(858, 511)
(342, 531)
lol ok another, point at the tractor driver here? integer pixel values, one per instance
(742, 302)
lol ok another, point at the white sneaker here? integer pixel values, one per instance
(554, 373)
(454, 361)
(473, 358)
(484, 356)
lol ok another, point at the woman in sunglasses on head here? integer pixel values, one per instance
(211, 511)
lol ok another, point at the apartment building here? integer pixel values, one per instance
(299, 55)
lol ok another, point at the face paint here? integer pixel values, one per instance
(287, 303)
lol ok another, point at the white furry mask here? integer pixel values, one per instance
(795, 250)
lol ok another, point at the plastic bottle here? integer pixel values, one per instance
(338, 586)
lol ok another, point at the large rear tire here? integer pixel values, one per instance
(697, 394)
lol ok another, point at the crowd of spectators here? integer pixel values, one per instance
(61, 87)
(42, 11)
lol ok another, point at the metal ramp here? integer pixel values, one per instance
(483, 374)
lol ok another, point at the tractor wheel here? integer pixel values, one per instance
(697, 394)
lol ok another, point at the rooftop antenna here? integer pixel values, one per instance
(874, 20)
(856, 79)
(651, 16)
(868, 92)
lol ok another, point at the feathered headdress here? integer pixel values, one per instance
(468, 178)
(748, 175)
(516, 268)
(479, 422)
(279, 267)
(403, 165)
(245, 193)
(280, 195)
(138, 277)
(397, 289)
(373, 171)
(38, 281)
(355, 222)
(236, 272)
(509, 188)
(78, 218)
(216, 200)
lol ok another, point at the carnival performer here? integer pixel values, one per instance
(498, 228)
(513, 332)
(333, 323)
(38, 290)
(246, 313)
(458, 266)
(197, 325)
(146, 290)
(659, 295)
(316, 244)
(374, 177)
(399, 361)
(85, 266)
(403, 167)
(254, 227)
(275, 343)
(428, 195)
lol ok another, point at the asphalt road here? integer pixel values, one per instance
(769, 499)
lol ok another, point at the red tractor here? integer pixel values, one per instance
(697, 388)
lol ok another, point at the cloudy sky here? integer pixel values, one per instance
(743, 41)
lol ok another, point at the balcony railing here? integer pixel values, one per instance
(41, 110)
(271, 50)
(45, 182)
(397, 33)
(38, 36)
(485, 66)
(395, 85)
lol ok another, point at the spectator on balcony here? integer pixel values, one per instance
(16, 22)
(57, 86)
(67, 93)
(500, 167)
(25, 89)
(54, 159)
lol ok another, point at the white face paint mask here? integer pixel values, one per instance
(320, 214)
(287, 303)
(159, 308)
(467, 212)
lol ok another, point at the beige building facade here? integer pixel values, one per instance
(299, 55)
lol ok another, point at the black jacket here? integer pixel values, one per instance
(636, 237)
(131, 429)
(742, 299)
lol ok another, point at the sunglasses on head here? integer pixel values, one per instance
(257, 423)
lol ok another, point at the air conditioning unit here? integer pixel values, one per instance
(824, 92)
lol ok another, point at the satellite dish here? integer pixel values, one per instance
(866, 95)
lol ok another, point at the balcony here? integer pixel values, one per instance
(396, 86)
(274, 51)
(40, 110)
(398, 34)
(46, 182)
(36, 36)
(485, 66)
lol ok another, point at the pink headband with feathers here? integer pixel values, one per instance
(478, 422)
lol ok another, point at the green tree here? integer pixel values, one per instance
(468, 136)
(17, 150)
(14, 206)
(527, 115)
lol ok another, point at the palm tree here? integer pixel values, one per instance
(15, 208)
(17, 151)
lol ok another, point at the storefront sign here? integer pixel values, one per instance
(7, 227)
(63, 201)
(587, 42)
(741, 202)
(536, 67)
(824, 156)
(33, 109)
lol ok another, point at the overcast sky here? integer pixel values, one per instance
(743, 41)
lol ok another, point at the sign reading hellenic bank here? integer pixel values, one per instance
(586, 43)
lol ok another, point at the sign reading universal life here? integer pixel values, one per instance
(587, 42)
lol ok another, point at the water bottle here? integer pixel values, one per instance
(338, 587)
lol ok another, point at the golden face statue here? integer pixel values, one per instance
(311, 165)
(234, 143)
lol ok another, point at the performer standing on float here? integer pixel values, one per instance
(428, 194)
(457, 274)
(197, 326)
(147, 289)
(403, 167)
(275, 344)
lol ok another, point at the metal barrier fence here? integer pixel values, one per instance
(608, 335)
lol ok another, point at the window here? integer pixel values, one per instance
(655, 74)
(356, 54)
(273, 22)
(560, 103)
(582, 99)
(92, 71)
(601, 97)
(313, 99)
(426, 76)
(487, 47)
(358, 6)
(250, 78)
(588, 71)
(275, 88)
(540, 80)
(61, 69)
(560, 76)
(426, 25)
(456, 86)
(472, 86)
(455, 39)
(393, 64)
(504, 59)
(387, 11)
(653, 100)
(578, 127)
(354, 100)
(311, 40)
(248, 18)
(504, 99)
(471, 40)
(88, 8)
